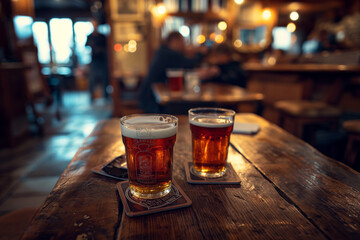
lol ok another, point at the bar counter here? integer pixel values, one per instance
(322, 82)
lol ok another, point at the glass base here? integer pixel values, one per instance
(150, 195)
(208, 174)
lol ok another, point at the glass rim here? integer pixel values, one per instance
(124, 118)
(212, 110)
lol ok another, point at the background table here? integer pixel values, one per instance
(210, 95)
(304, 81)
(288, 191)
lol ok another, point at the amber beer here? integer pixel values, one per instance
(175, 79)
(210, 129)
(149, 142)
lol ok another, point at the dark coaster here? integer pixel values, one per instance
(137, 206)
(230, 176)
(116, 168)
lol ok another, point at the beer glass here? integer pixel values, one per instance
(210, 130)
(175, 78)
(149, 140)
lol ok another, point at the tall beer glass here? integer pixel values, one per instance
(210, 129)
(149, 140)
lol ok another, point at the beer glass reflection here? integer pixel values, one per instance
(149, 141)
(210, 130)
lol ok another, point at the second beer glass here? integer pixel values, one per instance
(175, 79)
(210, 129)
(149, 140)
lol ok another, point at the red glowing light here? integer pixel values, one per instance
(118, 47)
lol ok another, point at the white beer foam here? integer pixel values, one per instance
(211, 122)
(149, 130)
(174, 73)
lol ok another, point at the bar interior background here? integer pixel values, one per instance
(290, 50)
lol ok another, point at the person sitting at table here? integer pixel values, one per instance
(223, 68)
(171, 54)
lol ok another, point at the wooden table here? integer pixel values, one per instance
(304, 68)
(211, 94)
(303, 81)
(288, 191)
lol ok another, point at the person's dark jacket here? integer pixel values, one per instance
(164, 58)
(230, 73)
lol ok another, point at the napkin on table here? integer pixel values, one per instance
(246, 128)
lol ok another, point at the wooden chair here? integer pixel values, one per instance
(125, 100)
(296, 114)
(38, 91)
(353, 145)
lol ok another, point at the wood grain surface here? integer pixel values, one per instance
(83, 205)
(327, 192)
(297, 195)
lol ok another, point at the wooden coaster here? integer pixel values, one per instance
(138, 207)
(230, 176)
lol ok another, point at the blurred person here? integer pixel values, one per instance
(171, 54)
(323, 36)
(99, 62)
(350, 26)
(224, 69)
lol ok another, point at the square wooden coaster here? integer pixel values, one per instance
(230, 176)
(138, 207)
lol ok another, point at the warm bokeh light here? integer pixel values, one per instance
(239, 2)
(132, 49)
(219, 39)
(212, 36)
(126, 47)
(271, 60)
(266, 14)
(117, 47)
(185, 31)
(132, 43)
(294, 16)
(159, 10)
(238, 43)
(222, 25)
(132, 46)
(291, 27)
(200, 39)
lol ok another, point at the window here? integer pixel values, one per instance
(82, 30)
(67, 41)
(61, 35)
(41, 38)
(282, 38)
(22, 26)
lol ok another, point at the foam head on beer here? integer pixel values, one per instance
(148, 129)
(211, 121)
(210, 129)
(173, 72)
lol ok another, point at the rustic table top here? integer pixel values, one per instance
(288, 190)
(210, 93)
